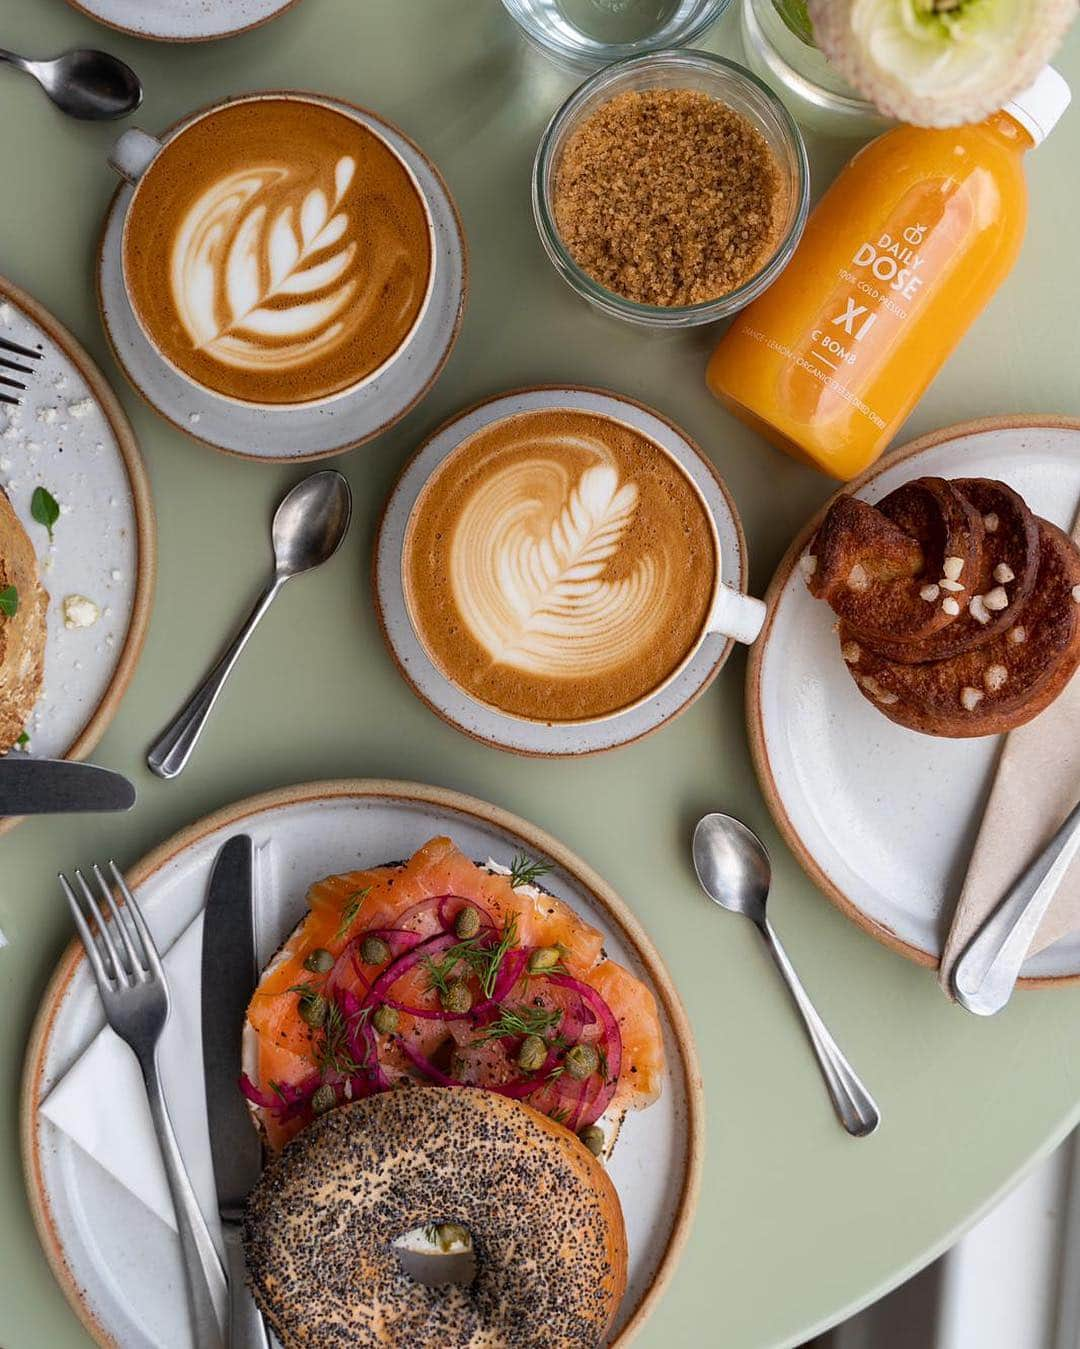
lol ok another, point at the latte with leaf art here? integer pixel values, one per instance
(278, 251)
(559, 565)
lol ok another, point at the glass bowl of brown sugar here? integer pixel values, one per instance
(670, 189)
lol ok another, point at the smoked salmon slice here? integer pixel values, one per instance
(441, 971)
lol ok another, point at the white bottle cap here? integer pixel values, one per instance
(1038, 108)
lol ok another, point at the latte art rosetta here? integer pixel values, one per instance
(260, 273)
(528, 562)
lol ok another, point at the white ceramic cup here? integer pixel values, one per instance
(133, 156)
(732, 614)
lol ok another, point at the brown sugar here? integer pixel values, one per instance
(669, 197)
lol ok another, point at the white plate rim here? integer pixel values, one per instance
(444, 212)
(145, 523)
(755, 728)
(534, 837)
(195, 37)
(489, 726)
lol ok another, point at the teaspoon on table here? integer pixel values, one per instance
(734, 870)
(88, 84)
(308, 528)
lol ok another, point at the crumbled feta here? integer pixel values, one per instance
(80, 612)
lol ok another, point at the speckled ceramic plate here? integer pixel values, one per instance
(486, 723)
(884, 819)
(182, 20)
(118, 1264)
(70, 436)
(269, 434)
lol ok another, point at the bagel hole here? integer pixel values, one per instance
(437, 1254)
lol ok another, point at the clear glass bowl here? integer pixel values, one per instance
(583, 35)
(721, 79)
(817, 95)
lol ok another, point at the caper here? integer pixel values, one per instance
(581, 1061)
(467, 923)
(385, 1020)
(593, 1138)
(544, 958)
(313, 1009)
(457, 997)
(319, 961)
(324, 1099)
(374, 951)
(532, 1054)
(446, 1234)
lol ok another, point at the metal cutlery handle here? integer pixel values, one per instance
(170, 752)
(247, 1329)
(205, 1277)
(986, 973)
(854, 1105)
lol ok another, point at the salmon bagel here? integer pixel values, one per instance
(546, 1227)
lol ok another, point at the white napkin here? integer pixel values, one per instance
(100, 1102)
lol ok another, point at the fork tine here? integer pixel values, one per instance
(11, 383)
(121, 975)
(104, 979)
(153, 960)
(8, 345)
(7, 398)
(16, 365)
(137, 964)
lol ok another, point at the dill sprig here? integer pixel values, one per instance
(519, 1021)
(560, 1115)
(350, 911)
(525, 871)
(332, 1054)
(483, 961)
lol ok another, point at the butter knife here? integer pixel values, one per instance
(229, 975)
(986, 973)
(55, 786)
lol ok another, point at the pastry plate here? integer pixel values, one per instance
(119, 1264)
(486, 723)
(884, 819)
(70, 436)
(270, 435)
(182, 20)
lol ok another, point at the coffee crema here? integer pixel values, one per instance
(559, 565)
(277, 251)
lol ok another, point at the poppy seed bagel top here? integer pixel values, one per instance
(545, 1222)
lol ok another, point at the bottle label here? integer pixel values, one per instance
(861, 323)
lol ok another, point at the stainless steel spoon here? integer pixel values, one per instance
(733, 868)
(89, 84)
(308, 528)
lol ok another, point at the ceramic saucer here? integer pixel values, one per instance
(884, 819)
(483, 722)
(296, 434)
(70, 436)
(182, 20)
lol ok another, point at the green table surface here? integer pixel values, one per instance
(798, 1225)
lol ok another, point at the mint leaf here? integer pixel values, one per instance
(23, 740)
(45, 509)
(9, 601)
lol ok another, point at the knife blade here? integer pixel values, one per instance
(229, 975)
(54, 786)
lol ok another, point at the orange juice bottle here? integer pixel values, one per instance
(898, 259)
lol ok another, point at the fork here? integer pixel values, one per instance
(16, 349)
(135, 994)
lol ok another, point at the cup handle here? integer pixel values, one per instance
(736, 615)
(132, 153)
